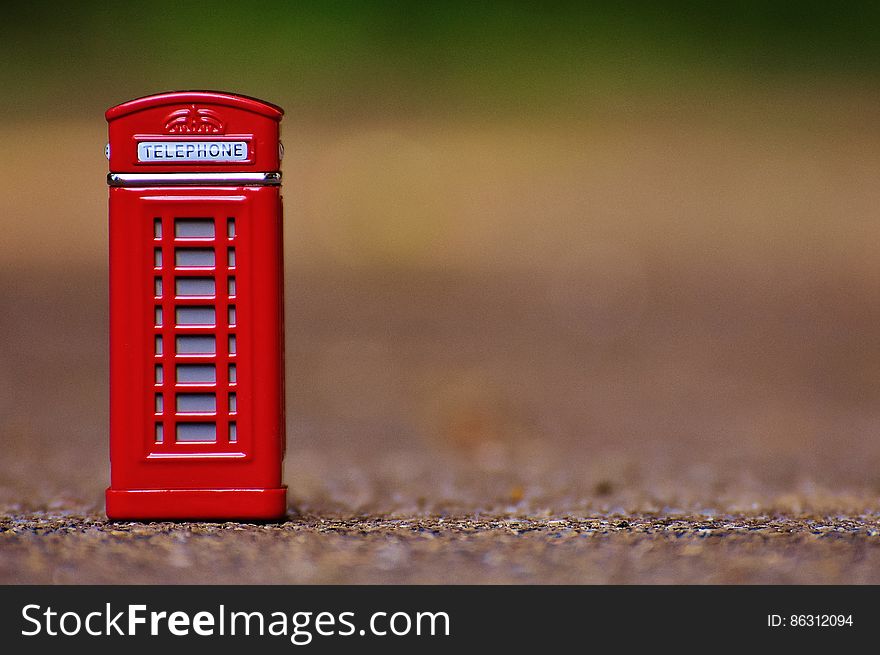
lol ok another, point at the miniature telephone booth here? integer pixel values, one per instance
(196, 317)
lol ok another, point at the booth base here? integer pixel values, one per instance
(197, 504)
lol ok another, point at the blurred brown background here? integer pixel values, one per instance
(541, 266)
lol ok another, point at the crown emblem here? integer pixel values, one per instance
(193, 120)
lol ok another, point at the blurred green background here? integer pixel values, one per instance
(619, 255)
(389, 58)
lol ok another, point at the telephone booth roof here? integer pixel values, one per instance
(235, 101)
(193, 132)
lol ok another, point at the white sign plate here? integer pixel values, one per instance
(179, 151)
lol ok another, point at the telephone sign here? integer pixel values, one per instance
(215, 151)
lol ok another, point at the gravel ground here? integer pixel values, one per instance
(69, 548)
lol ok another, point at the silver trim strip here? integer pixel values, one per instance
(164, 179)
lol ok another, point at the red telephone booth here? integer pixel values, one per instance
(196, 317)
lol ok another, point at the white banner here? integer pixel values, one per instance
(210, 151)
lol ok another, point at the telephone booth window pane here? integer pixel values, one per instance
(232, 315)
(195, 286)
(230, 228)
(160, 433)
(231, 344)
(205, 432)
(231, 255)
(232, 374)
(233, 432)
(158, 316)
(188, 403)
(158, 344)
(158, 286)
(160, 403)
(196, 316)
(196, 373)
(232, 286)
(194, 257)
(194, 228)
(157, 228)
(157, 257)
(196, 344)
(159, 374)
(233, 403)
